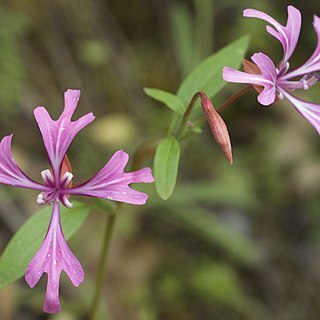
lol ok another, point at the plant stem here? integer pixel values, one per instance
(109, 226)
(187, 114)
(234, 97)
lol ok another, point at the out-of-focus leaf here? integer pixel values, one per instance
(207, 76)
(204, 29)
(169, 99)
(182, 36)
(209, 228)
(166, 163)
(217, 282)
(234, 187)
(13, 26)
(28, 238)
(219, 232)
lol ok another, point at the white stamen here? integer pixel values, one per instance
(287, 66)
(67, 177)
(41, 199)
(305, 84)
(280, 96)
(109, 198)
(47, 176)
(66, 202)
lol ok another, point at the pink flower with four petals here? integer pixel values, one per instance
(111, 182)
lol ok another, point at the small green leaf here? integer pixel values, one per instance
(27, 240)
(169, 99)
(207, 76)
(166, 164)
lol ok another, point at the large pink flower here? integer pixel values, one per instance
(279, 81)
(111, 182)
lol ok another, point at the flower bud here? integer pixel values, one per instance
(217, 125)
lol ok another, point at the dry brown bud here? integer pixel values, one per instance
(217, 125)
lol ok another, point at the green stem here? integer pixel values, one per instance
(180, 132)
(187, 114)
(109, 226)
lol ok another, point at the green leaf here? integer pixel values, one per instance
(166, 164)
(182, 32)
(207, 76)
(27, 240)
(169, 99)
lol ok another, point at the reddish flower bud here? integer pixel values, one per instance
(217, 126)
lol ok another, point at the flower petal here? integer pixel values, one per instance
(266, 66)
(58, 135)
(112, 182)
(288, 35)
(54, 256)
(10, 173)
(313, 63)
(267, 96)
(308, 110)
(236, 76)
(267, 78)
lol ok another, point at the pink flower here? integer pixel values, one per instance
(110, 182)
(277, 82)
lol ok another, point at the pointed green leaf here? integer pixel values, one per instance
(27, 240)
(207, 76)
(166, 164)
(169, 99)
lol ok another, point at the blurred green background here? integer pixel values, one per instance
(240, 242)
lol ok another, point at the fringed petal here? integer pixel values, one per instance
(313, 63)
(58, 134)
(308, 110)
(267, 78)
(112, 183)
(53, 257)
(288, 35)
(10, 173)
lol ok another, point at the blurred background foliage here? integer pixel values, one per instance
(238, 242)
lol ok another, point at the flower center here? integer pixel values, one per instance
(55, 194)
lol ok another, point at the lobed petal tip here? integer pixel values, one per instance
(292, 9)
(245, 12)
(316, 21)
(38, 110)
(122, 155)
(72, 92)
(8, 138)
(30, 280)
(146, 174)
(249, 12)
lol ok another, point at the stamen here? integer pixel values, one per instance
(309, 80)
(47, 177)
(287, 66)
(41, 199)
(65, 201)
(305, 84)
(280, 96)
(66, 179)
